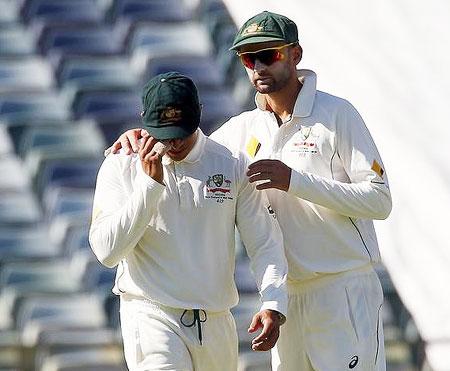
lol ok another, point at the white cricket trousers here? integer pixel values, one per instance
(155, 338)
(333, 324)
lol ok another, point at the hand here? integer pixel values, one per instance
(270, 322)
(151, 160)
(276, 174)
(129, 141)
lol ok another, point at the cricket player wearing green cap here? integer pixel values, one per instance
(318, 164)
(166, 217)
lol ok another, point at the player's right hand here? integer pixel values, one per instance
(129, 141)
(151, 160)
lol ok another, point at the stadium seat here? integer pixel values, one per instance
(62, 11)
(10, 12)
(201, 69)
(107, 105)
(155, 10)
(26, 243)
(89, 40)
(29, 107)
(31, 74)
(16, 40)
(19, 208)
(10, 350)
(217, 107)
(18, 179)
(6, 145)
(157, 39)
(96, 72)
(54, 342)
(61, 200)
(68, 173)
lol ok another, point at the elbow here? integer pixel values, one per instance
(102, 252)
(385, 207)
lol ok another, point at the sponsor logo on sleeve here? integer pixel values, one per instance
(377, 168)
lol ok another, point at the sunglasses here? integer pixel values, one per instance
(266, 56)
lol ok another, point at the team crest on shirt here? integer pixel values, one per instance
(306, 141)
(218, 187)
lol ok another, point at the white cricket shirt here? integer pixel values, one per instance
(338, 184)
(174, 244)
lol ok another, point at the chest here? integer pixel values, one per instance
(200, 186)
(308, 145)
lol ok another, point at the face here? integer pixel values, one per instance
(275, 67)
(181, 147)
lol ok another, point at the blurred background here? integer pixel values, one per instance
(71, 73)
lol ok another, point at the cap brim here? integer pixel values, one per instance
(169, 132)
(255, 40)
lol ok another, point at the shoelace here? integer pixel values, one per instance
(197, 320)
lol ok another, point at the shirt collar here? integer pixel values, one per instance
(194, 154)
(305, 100)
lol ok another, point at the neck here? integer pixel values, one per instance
(282, 102)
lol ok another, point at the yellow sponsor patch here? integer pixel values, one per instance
(377, 168)
(253, 146)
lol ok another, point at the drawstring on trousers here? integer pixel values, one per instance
(197, 320)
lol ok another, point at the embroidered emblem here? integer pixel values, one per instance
(253, 28)
(218, 187)
(170, 114)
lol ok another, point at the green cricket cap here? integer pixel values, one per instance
(171, 108)
(264, 27)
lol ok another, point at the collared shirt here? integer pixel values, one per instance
(174, 243)
(338, 183)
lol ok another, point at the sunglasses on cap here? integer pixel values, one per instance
(266, 56)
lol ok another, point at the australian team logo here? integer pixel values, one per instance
(170, 114)
(218, 187)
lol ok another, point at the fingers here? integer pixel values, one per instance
(133, 137)
(146, 148)
(267, 342)
(256, 323)
(261, 166)
(269, 174)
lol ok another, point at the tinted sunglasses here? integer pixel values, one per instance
(266, 56)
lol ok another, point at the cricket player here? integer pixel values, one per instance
(167, 222)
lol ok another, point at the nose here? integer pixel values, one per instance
(259, 66)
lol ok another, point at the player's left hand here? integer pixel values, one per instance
(275, 173)
(269, 321)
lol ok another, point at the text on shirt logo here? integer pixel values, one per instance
(218, 187)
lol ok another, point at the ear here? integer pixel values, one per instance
(297, 53)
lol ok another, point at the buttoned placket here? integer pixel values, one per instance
(184, 188)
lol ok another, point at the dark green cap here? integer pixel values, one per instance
(171, 106)
(264, 27)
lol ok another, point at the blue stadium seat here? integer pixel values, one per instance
(156, 39)
(68, 173)
(108, 105)
(154, 10)
(10, 13)
(218, 106)
(202, 70)
(31, 74)
(96, 72)
(23, 107)
(91, 40)
(62, 201)
(19, 208)
(26, 243)
(17, 179)
(63, 11)
(16, 40)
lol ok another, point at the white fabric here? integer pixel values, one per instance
(342, 309)
(334, 193)
(174, 244)
(155, 339)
